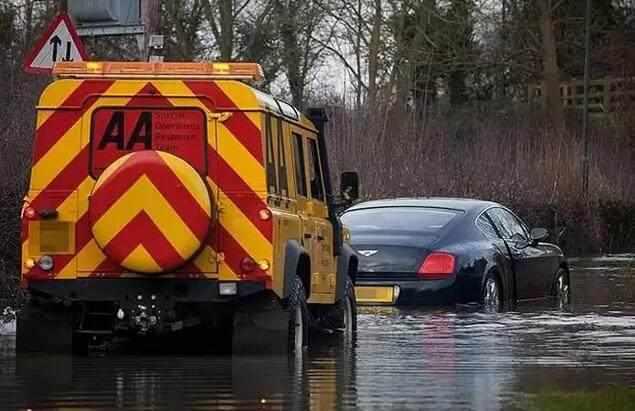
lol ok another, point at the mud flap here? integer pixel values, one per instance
(44, 329)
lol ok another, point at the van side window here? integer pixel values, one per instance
(271, 161)
(283, 184)
(315, 172)
(300, 173)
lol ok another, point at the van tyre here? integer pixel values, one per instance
(347, 309)
(298, 318)
(265, 325)
(44, 328)
(343, 316)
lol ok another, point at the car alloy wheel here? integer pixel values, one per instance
(491, 295)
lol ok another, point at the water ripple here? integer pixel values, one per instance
(403, 359)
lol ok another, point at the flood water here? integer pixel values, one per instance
(403, 359)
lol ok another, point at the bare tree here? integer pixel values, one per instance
(221, 17)
(551, 69)
(304, 38)
(182, 23)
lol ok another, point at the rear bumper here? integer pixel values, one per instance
(421, 292)
(129, 289)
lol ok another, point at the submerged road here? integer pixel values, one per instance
(403, 359)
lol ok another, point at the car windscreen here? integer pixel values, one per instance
(404, 219)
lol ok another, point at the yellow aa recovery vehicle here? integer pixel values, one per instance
(171, 197)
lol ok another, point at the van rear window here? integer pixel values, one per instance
(117, 131)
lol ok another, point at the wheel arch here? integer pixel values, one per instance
(503, 287)
(297, 263)
(347, 263)
(562, 266)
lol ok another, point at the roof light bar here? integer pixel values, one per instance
(206, 70)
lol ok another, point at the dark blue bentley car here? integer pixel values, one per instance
(439, 251)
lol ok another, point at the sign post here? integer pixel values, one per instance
(59, 42)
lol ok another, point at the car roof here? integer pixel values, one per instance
(462, 204)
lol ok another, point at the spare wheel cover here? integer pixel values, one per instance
(150, 212)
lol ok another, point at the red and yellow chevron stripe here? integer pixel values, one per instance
(150, 212)
(235, 177)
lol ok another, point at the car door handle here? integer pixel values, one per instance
(307, 235)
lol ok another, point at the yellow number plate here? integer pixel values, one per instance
(374, 295)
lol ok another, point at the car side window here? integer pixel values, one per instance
(486, 227)
(507, 224)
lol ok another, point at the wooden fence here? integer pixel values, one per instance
(605, 95)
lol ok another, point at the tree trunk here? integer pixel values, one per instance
(358, 54)
(62, 6)
(291, 52)
(551, 70)
(373, 55)
(226, 11)
(501, 86)
(28, 25)
(152, 22)
(456, 85)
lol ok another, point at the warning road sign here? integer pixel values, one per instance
(60, 42)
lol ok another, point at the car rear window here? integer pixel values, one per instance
(419, 219)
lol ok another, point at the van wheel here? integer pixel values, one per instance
(338, 320)
(264, 325)
(44, 328)
(349, 313)
(298, 330)
(344, 315)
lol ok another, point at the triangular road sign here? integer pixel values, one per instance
(60, 42)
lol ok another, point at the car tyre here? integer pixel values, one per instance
(562, 288)
(491, 296)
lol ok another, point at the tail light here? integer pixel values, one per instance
(437, 266)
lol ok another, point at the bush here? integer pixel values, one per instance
(513, 157)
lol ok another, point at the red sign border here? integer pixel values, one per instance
(41, 43)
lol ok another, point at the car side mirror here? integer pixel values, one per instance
(539, 234)
(349, 186)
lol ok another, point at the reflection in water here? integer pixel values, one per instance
(404, 359)
(435, 360)
(316, 382)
